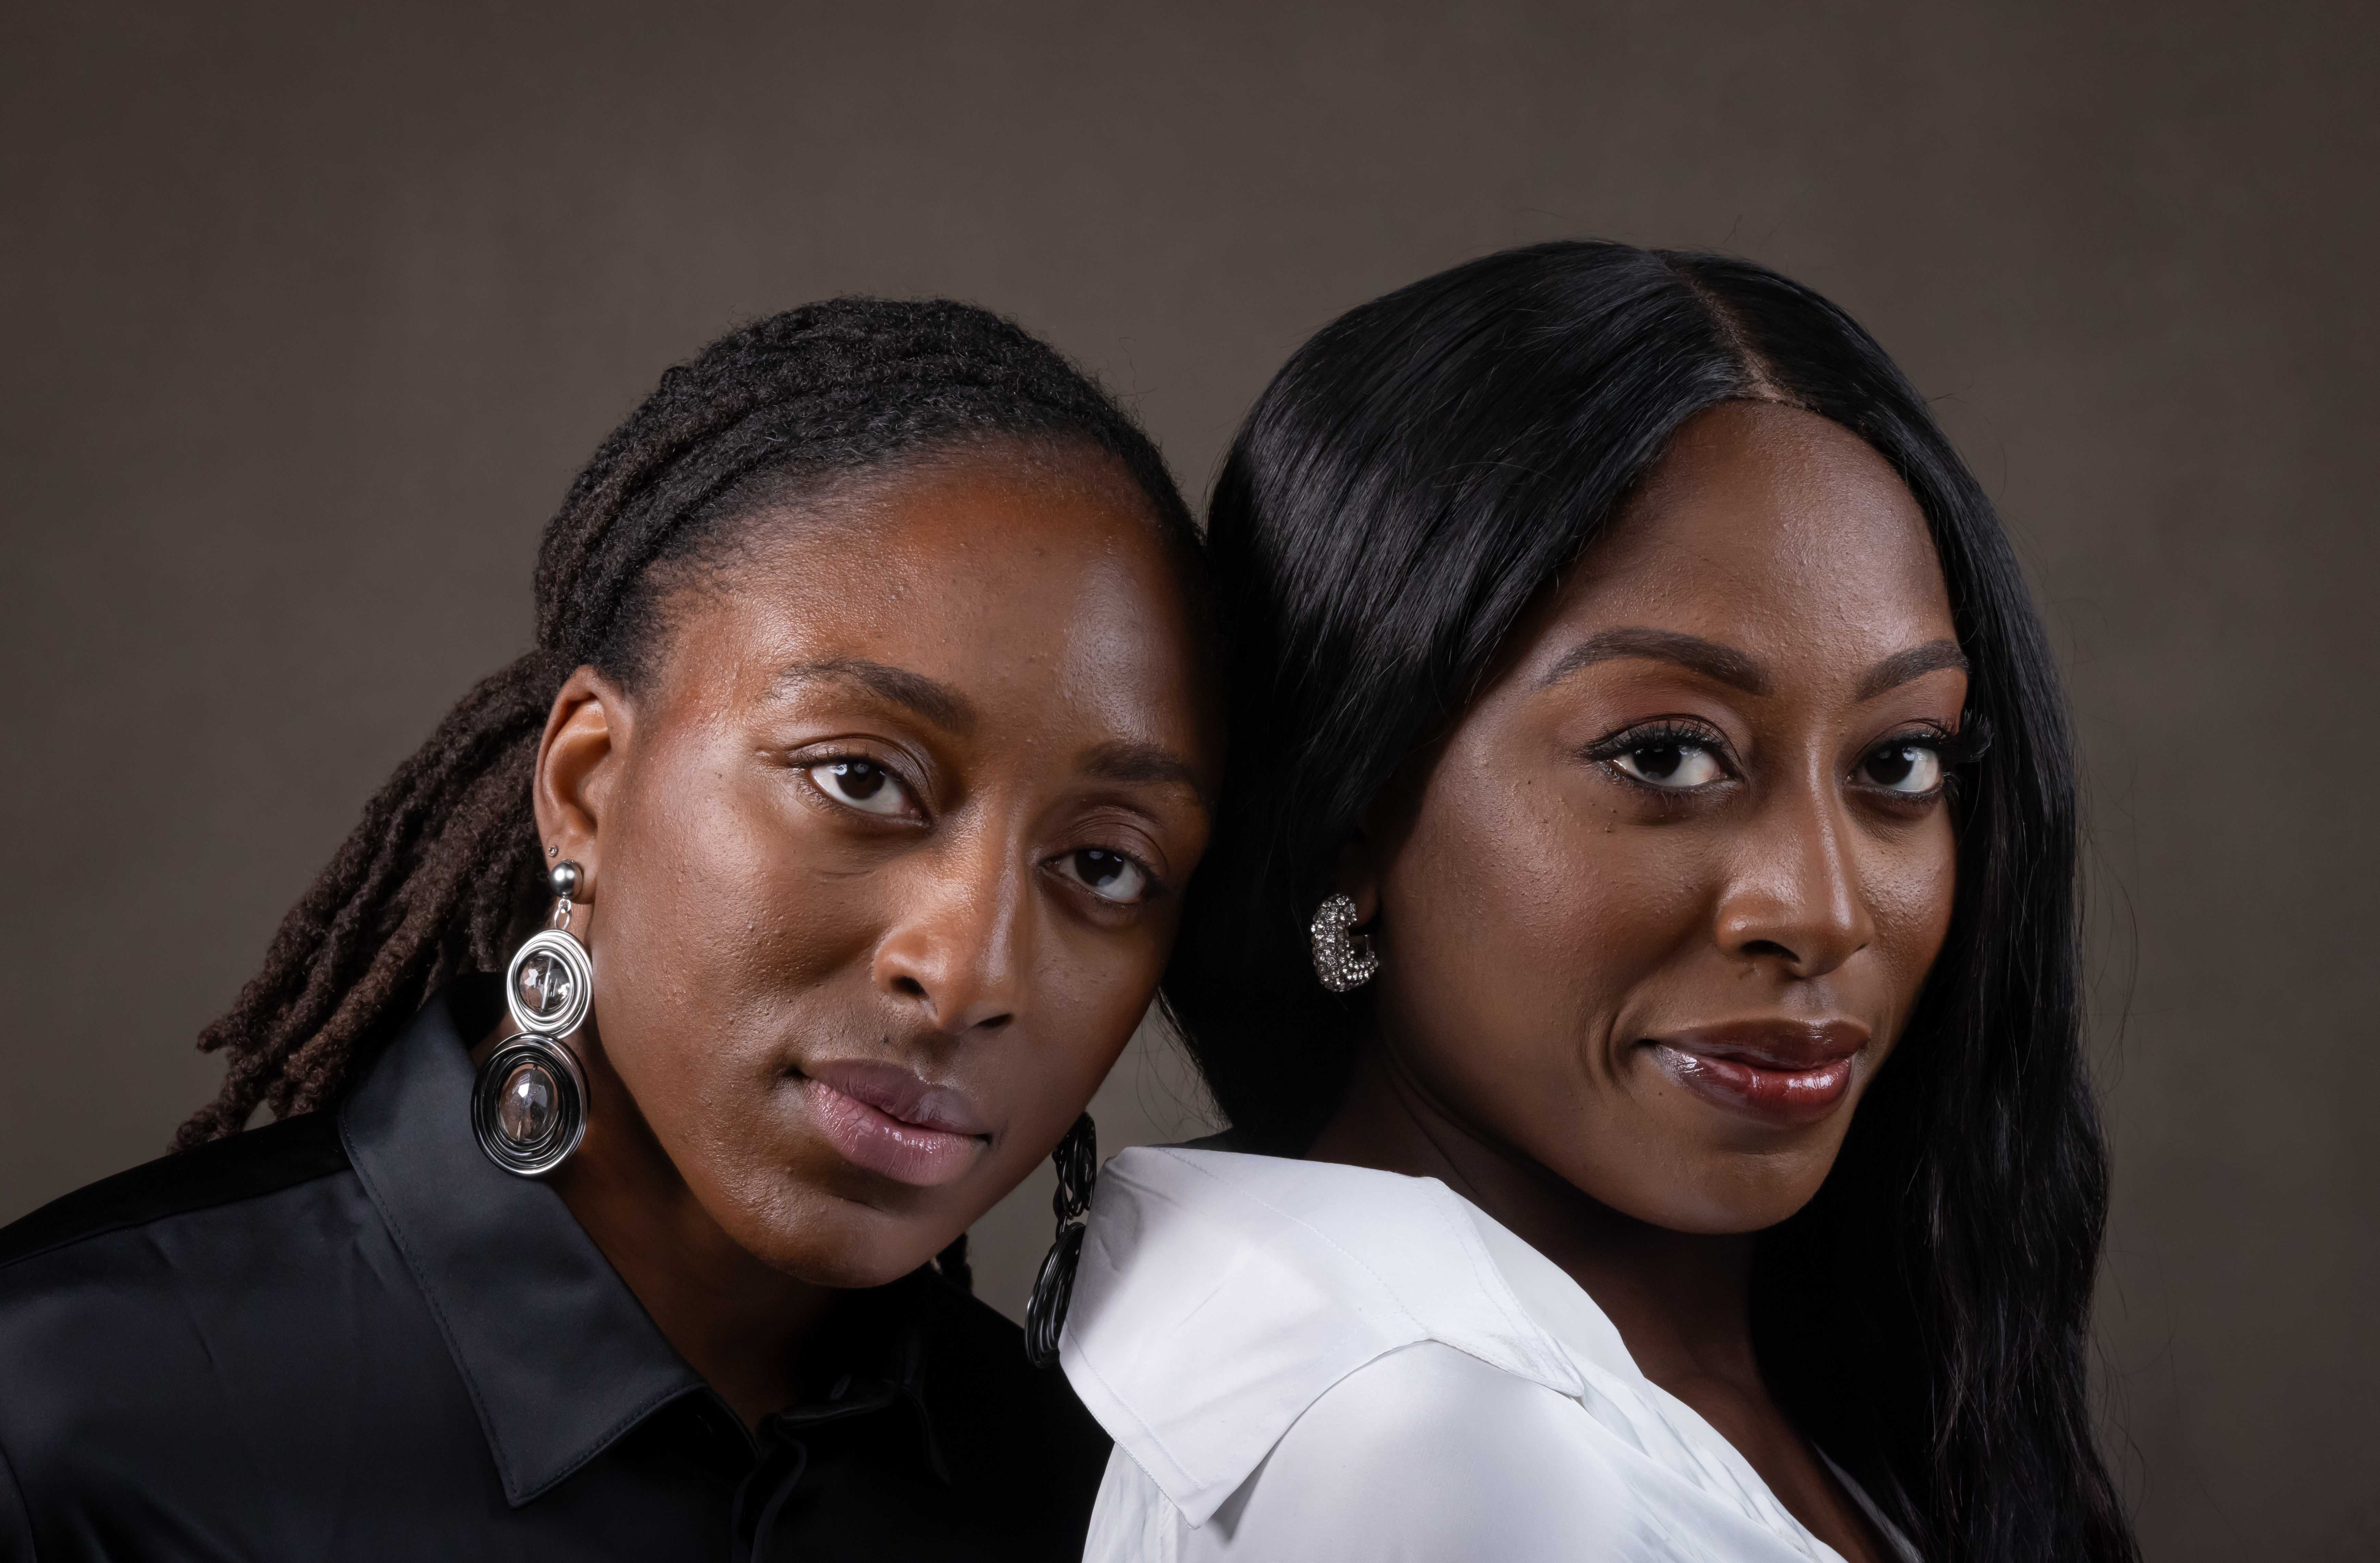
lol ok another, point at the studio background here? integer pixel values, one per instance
(305, 322)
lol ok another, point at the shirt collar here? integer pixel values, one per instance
(1219, 1296)
(875, 1350)
(558, 1356)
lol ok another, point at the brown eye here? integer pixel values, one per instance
(861, 784)
(1110, 876)
(1905, 768)
(1669, 763)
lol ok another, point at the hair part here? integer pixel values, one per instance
(1417, 476)
(444, 872)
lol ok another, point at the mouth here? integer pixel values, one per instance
(1783, 1072)
(887, 1120)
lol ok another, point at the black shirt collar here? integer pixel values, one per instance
(559, 1357)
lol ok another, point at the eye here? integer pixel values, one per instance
(1902, 765)
(1674, 764)
(861, 784)
(1110, 876)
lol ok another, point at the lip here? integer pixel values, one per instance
(1783, 1072)
(887, 1120)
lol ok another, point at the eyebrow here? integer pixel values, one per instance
(1915, 662)
(1729, 666)
(1139, 762)
(1692, 653)
(937, 703)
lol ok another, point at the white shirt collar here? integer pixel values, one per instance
(1220, 1295)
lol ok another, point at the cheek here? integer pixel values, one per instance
(1911, 896)
(1520, 926)
(711, 928)
(736, 944)
(1088, 990)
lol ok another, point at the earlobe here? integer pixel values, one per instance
(1357, 876)
(586, 736)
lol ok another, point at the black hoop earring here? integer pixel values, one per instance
(1077, 1159)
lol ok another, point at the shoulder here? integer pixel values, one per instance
(1013, 1434)
(1428, 1452)
(1220, 1296)
(157, 1330)
(1429, 1404)
(1425, 1453)
(976, 1362)
(976, 1377)
(260, 1162)
(138, 1298)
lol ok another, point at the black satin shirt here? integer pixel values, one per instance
(348, 1336)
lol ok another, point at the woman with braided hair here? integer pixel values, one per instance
(638, 1065)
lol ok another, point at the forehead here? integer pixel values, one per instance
(1771, 529)
(1023, 579)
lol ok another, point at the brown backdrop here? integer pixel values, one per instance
(304, 326)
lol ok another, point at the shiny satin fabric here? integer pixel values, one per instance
(349, 1335)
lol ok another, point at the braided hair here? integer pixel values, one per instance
(443, 875)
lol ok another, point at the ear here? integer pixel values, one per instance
(1358, 876)
(1373, 845)
(578, 767)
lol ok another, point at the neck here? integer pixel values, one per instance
(1679, 1299)
(745, 1327)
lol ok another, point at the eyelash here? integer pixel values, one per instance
(1956, 751)
(817, 760)
(1964, 747)
(1153, 885)
(1655, 735)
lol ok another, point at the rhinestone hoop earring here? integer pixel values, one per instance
(529, 1102)
(1045, 1314)
(1345, 961)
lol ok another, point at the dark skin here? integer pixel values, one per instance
(909, 795)
(1698, 800)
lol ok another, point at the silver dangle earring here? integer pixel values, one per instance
(1077, 1159)
(529, 1104)
(1343, 960)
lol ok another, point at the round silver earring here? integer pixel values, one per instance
(1343, 960)
(529, 1102)
(1077, 1157)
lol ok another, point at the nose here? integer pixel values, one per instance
(1794, 898)
(956, 947)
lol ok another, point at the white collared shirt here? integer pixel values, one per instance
(1303, 1362)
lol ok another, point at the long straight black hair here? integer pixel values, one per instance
(1414, 478)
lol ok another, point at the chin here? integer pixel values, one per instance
(853, 1247)
(1750, 1197)
(1714, 1193)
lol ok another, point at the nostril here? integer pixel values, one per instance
(909, 988)
(1769, 947)
(997, 1022)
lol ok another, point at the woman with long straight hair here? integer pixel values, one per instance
(638, 1066)
(1637, 961)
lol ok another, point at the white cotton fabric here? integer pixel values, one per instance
(1301, 1360)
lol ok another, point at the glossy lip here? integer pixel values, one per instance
(1784, 1072)
(886, 1119)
